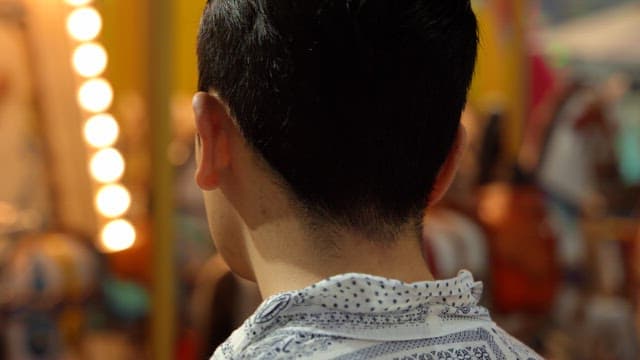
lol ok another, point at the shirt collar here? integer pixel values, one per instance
(356, 293)
(366, 307)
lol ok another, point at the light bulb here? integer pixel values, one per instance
(78, 2)
(113, 201)
(107, 166)
(90, 59)
(84, 24)
(95, 95)
(118, 235)
(101, 131)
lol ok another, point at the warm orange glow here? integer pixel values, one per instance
(101, 131)
(118, 235)
(84, 24)
(90, 59)
(78, 2)
(107, 166)
(113, 201)
(95, 95)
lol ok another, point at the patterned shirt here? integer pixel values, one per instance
(357, 316)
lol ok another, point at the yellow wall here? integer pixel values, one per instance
(125, 35)
(126, 38)
(501, 74)
(186, 21)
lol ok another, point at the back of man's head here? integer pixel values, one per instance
(354, 104)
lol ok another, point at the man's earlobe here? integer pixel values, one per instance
(449, 168)
(212, 146)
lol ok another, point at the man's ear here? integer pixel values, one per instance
(449, 168)
(212, 143)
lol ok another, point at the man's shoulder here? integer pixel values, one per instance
(284, 344)
(476, 343)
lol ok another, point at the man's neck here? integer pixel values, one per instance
(286, 258)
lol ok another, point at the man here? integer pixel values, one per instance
(325, 128)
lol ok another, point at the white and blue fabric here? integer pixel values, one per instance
(357, 316)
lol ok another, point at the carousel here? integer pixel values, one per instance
(65, 209)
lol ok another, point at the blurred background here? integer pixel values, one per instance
(104, 247)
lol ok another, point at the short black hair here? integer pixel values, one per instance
(354, 104)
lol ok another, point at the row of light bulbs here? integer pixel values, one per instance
(101, 130)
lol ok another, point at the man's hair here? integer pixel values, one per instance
(354, 104)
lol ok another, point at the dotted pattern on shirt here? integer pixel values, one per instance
(361, 302)
(379, 295)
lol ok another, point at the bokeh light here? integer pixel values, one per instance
(118, 235)
(90, 59)
(107, 166)
(113, 201)
(95, 95)
(84, 24)
(101, 131)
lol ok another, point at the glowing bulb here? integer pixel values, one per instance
(95, 95)
(118, 235)
(107, 166)
(101, 131)
(113, 201)
(84, 24)
(90, 59)
(78, 2)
